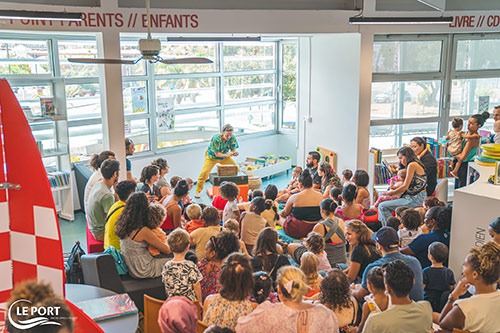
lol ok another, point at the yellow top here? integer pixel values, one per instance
(110, 237)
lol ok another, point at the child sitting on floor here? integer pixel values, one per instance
(181, 277)
(229, 191)
(193, 212)
(394, 183)
(437, 279)
(409, 228)
(234, 226)
(293, 186)
(309, 266)
(187, 199)
(263, 288)
(346, 177)
(156, 215)
(377, 301)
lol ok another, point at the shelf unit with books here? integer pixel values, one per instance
(62, 190)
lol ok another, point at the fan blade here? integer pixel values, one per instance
(103, 61)
(190, 60)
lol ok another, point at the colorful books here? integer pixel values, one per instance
(108, 307)
(59, 178)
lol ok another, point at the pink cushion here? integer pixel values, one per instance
(93, 245)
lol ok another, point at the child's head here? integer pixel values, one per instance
(262, 286)
(232, 225)
(190, 183)
(193, 211)
(220, 246)
(315, 243)
(309, 263)
(457, 124)
(254, 194)
(399, 210)
(349, 193)
(438, 252)
(432, 201)
(178, 240)
(393, 222)
(347, 175)
(259, 204)
(174, 180)
(291, 283)
(210, 215)
(229, 191)
(156, 215)
(410, 219)
(335, 194)
(191, 256)
(496, 126)
(375, 280)
(236, 278)
(271, 192)
(401, 174)
(297, 171)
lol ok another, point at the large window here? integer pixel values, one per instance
(176, 105)
(37, 68)
(418, 87)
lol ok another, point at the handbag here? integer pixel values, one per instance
(121, 266)
(73, 265)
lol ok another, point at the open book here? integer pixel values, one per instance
(108, 307)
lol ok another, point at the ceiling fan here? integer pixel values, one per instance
(150, 50)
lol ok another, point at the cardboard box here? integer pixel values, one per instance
(227, 170)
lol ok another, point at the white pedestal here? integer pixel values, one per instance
(474, 207)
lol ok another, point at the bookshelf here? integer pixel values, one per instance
(62, 191)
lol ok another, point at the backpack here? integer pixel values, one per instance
(121, 266)
(73, 266)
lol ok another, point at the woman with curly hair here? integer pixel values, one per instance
(135, 237)
(329, 178)
(478, 313)
(292, 315)
(217, 249)
(335, 294)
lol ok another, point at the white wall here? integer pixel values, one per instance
(188, 163)
(329, 96)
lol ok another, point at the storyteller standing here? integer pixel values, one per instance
(221, 149)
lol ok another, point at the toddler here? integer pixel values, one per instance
(252, 222)
(399, 211)
(455, 136)
(496, 129)
(409, 228)
(293, 186)
(394, 183)
(193, 212)
(309, 266)
(156, 215)
(393, 222)
(181, 277)
(315, 243)
(437, 278)
(234, 226)
(346, 177)
(187, 199)
(263, 288)
(229, 191)
(377, 301)
(201, 236)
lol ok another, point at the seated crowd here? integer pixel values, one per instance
(330, 261)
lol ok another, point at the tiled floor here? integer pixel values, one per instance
(73, 231)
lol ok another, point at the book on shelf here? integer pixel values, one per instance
(437, 148)
(382, 174)
(377, 153)
(108, 307)
(59, 178)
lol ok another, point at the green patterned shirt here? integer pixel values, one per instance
(221, 146)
